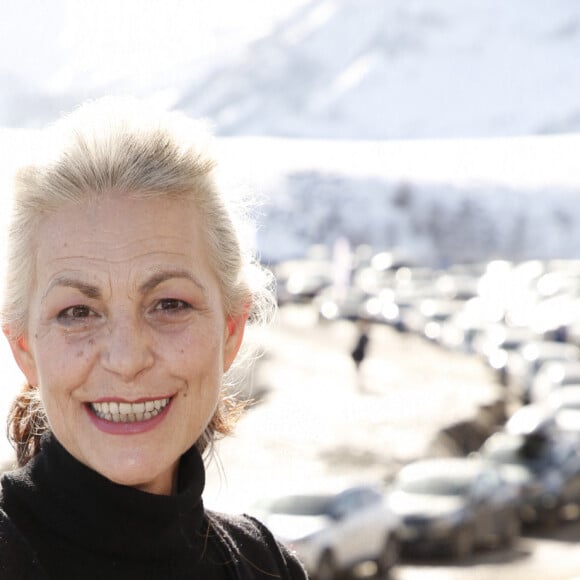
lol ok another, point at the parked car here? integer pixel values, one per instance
(455, 505)
(529, 359)
(396, 308)
(552, 376)
(564, 404)
(534, 418)
(301, 280)
(573, 331)
(333, 531)
(460, 330)
(431, 313)
(552, 317)
(347, 304)
(383, 309)
(497, 346)
(544, 465)
(457, 285)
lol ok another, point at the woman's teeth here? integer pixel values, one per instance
(129, 412)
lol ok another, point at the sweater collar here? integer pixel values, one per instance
(88, 509)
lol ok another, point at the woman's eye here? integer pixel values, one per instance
(171, 305)
(77, 312)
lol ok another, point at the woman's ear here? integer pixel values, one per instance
(22, 354)
(235, 326)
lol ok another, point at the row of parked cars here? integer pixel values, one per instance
(433, 506)
(449, 506)
(523, 320)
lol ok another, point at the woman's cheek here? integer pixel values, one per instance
(64, 356)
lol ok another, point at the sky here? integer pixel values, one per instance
(55, 44)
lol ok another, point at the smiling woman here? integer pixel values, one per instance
(127, 296)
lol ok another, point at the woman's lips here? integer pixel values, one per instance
(124, 418)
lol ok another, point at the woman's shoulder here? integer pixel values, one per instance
(240, 525)
(17, 559)
(253, 543)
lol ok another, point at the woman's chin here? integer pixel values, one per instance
(144, 478)
(135, 467)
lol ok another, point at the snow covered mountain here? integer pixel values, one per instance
(400, 69)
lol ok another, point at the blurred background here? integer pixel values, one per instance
(417, 167)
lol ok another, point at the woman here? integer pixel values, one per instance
(127, 295)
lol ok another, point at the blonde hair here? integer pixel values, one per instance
(122, 146)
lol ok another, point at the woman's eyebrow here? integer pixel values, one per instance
(88, 290)
(164, 275)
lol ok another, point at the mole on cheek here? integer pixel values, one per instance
(80, 353)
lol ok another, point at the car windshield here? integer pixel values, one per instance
(518, 450)
(568, 418)
(300, 505)
(435, 485)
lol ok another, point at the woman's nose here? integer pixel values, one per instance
(127, 352)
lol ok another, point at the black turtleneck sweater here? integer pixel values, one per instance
(60, 520)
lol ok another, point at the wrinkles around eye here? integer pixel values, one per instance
(75, 313)
(172, 305)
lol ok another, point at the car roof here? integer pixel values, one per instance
(529, 419)
(540, 349)
(561, 370)
(327, 488)
(461, 466)
(569, 395)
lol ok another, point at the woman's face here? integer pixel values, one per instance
(127, 338)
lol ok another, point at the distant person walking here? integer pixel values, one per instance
(359, 351)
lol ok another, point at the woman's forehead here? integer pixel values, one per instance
(116, 221)
(127, 233)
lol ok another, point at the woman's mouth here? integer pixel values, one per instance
(121, 412)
